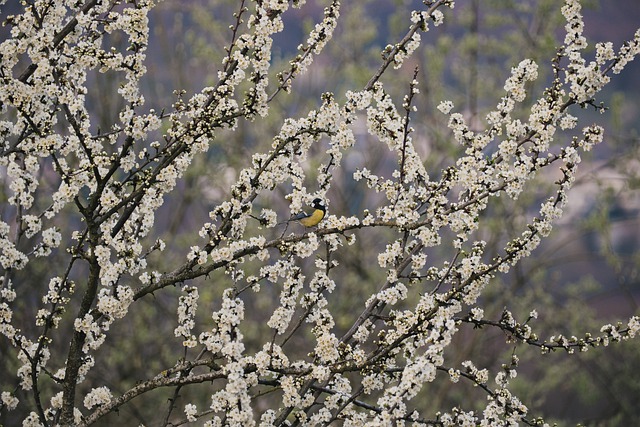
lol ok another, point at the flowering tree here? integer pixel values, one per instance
(262, 334)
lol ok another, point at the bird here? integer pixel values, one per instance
(313, 218)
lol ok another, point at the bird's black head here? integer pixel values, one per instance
(318, 204)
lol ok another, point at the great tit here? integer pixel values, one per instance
(312, 218)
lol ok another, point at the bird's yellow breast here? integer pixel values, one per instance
(313, 219)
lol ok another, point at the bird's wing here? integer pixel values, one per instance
(300, 216)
